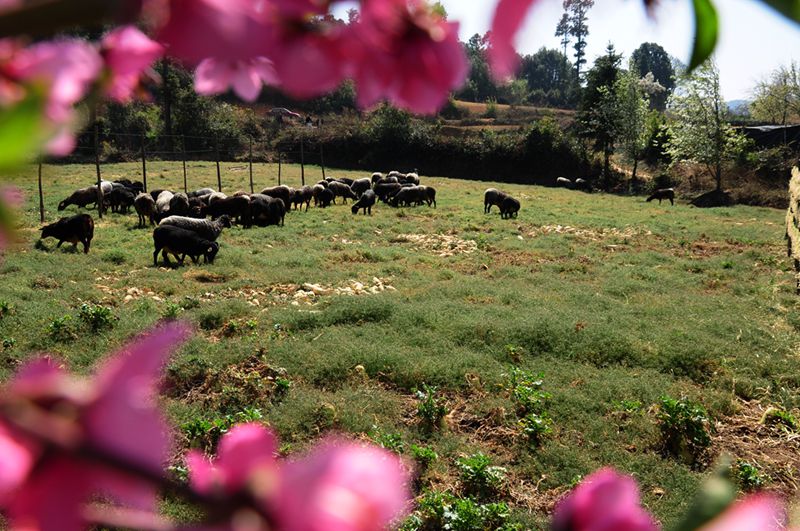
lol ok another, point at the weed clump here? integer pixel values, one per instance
(684, 428)
(431, 409)
(479, 476)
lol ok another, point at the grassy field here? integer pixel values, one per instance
(613, 301)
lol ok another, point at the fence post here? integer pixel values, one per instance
(41, 195)
(100, 200)
(219, 175)
(302, 164)
(251, 165)
(183, 156)
(144, 163)
(322, 161)
(280, 156)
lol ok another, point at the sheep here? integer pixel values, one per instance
(583, 184)
(282, 192)
(74, 229)
(325, 198)
(412, 178)
(342, 190)
(663, 193)
(81, 198)
(155, 193)
(564, 182)
(162, 204)
(408, 196)
(135, 187)
(428, 195)
(236, 207)
(201, 192)
(266, 210)
(315, 191)
(386, 191)
(345, 180)
(180, 243)
(509, 207)
(359, 186)
(303, 195)
(492, 196)
(209, 230)
(323, 183)
(120, 199)
(106, 187)
(213, 196)
(146, 208)
(366, 201)
(376, 177)
(179, 205)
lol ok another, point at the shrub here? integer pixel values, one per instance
(536, 427)
(480, 478)
(781, 418)
(96, 317)
(423, 455)
(61, 329)
(748, 476)
(5, 308)
(205, 434)
(440, 510)
(526, 390)
(430, 409)
(172, 311)
(684, 428)
(388, 440)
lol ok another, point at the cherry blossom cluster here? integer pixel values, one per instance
(66, 441)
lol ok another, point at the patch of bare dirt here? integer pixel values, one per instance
(774, 450)
(442, 245)
(591, 234)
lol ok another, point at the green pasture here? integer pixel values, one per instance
(612, 299)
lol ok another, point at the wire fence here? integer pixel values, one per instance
(101, 149)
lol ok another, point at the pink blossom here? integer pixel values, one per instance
(508, 18)
(226, 30)
(90, 424)
(342, 486)
(603, 501)
(408, 55)
(246, 458)
(128, 52)
(761, 512)
(65, 69)
(246, 77)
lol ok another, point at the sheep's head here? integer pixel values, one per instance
(211, 252)
(225, 220)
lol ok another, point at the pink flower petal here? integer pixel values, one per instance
(245, 449)
(508, 18)
(761, 512)
(128, 53)
(247, 83)
(213, 77)
(16, 462)
(203, 476)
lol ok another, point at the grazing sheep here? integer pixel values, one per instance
(428, 195)
(213, 196)
(408, 196)
(376, 177)
(509, 207)
(155, 193)
(360, 186)
(135, 187)
(303, 195)
(162, 204)
(120, 199)
(323, 183)
(74, 229)
(315, 191)
(345, 180)
(236, 207)
(663, 193)
(342, 190)
(210, 230)
(146, 208)
(583, 184)
(81, 198)
(366, 201)
(564, 182)
(106, 187)
(282, 192)
(179, 205)
(325, 198)
(180, 243)
(386, 191)
(200, 193)
(491, 197)
(266, 210)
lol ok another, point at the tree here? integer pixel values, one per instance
(698, 123)
(633, 111)
(550, 78)
(777, 99)
(576, 11)
(599, 114)
(479, 86)
(562, 30)
(652, 58)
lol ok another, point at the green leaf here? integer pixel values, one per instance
(788, 8)
(21, 134)
(705, 32)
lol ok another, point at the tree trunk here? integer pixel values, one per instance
(718, 175)
(633, 175)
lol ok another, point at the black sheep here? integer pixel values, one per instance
(181, 243)
(74, 229)
(365, 202)
(509, 207)
(663, 193)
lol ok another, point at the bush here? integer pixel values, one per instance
(684, 428)
(430, 409)
(441, 510)
(748, 476)
(61, 329)
(97, 317)
(478, 475)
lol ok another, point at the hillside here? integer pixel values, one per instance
(332, 322)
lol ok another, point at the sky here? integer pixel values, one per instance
(753, 39)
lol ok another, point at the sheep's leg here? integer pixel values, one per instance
(86, 244)
(59, 243)
(671, 202)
